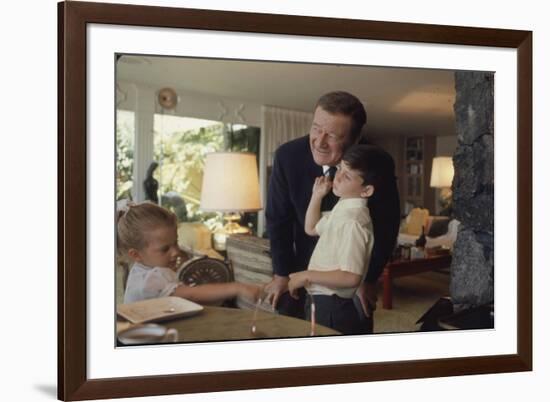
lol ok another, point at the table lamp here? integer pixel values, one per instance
(230, 185)
(442, 178)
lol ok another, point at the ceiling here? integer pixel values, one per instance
(399, 101)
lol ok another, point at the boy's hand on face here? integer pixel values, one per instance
(321, 187)
(297, 280)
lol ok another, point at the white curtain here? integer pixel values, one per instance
(282, 125)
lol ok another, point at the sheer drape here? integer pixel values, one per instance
(282, 125)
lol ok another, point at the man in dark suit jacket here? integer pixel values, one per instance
(337, 123)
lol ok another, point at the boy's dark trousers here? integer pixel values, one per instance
(335, 312)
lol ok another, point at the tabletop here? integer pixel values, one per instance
(222, 324)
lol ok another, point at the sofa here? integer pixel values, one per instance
(440, 231)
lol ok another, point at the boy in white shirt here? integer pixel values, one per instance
(341, 257)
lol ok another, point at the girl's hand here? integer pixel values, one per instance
(297, 280)
(321, 187)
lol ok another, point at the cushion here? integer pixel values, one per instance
(194, 235)
(414, 222)
(438, 227)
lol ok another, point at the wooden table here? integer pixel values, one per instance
(221, 324)
(399, 268)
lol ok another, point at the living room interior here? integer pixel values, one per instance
(172, 112)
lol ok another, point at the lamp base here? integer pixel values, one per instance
(445, 201)
(231, 227)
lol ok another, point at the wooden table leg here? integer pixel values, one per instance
(401, 268)
(387, 291)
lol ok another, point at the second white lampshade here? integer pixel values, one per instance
(442, 172)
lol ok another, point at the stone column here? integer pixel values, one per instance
(472, 270)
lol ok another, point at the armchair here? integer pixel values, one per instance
(440, 231)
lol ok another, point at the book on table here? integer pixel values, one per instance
(160, 309)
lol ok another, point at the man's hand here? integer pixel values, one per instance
(275, 288)
(367, 296)
(297, 280)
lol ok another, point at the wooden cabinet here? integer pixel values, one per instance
(416, 171)
(251, 261)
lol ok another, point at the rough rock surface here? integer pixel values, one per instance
(472, 270)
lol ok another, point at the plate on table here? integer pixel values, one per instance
(163, 308)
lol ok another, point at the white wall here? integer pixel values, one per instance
(446, 145)
(392, 145)
(197, 105)
(29, 200)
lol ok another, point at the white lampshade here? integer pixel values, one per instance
(230, 183)
(442, 172)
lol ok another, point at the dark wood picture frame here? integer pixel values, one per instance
(73, 383)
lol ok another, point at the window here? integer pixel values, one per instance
(180, 148)
(125, 134)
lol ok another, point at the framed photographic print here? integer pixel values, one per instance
(151, 72)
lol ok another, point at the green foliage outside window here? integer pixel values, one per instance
(124, 154)
(181, 157)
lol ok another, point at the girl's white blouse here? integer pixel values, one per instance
(147, 283)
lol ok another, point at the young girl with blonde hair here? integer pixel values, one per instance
(147, 235)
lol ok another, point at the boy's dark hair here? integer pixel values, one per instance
(340, 102)
(373, 164)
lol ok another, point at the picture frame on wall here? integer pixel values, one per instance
(91, 366)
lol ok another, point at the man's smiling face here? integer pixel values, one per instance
(329, 136)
